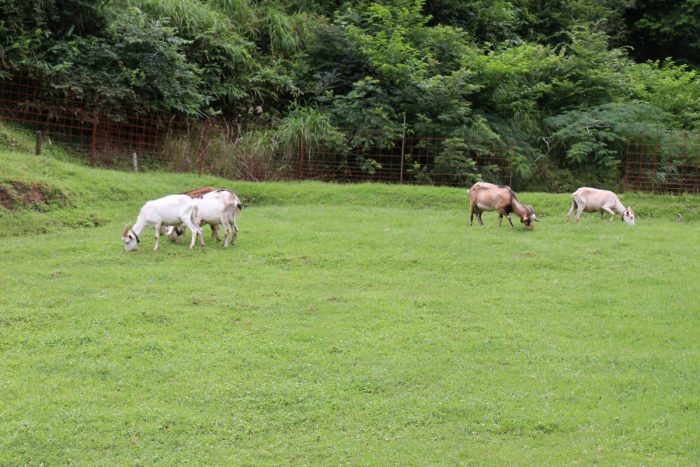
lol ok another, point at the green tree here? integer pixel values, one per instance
(138, 66)
(485, 20)
(28, 28)
(548, 21)
(662, 29)
(594, 140)
(670, 87)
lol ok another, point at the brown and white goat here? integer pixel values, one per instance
(489, 197)
(592, 199)
(214, 207)
(220, 207)
(174, 232)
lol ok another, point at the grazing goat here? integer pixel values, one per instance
(174, 232)
(169, 210)
(217, 207)
(592, 199)
(489, 197)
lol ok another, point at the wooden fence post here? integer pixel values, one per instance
(135, 161)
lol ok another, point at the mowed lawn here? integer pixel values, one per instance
(355, 333)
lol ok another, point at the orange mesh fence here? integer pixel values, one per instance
(224, 148)
(668, 164)
(671, 163)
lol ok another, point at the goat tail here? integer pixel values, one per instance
(574, 203)
(193, 219)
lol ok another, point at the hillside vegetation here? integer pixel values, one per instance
(561, 86)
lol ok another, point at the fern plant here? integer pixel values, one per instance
(596, 138)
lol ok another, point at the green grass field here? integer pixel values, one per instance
(361, 324)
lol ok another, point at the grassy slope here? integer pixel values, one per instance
(98, 197)
(350, 324)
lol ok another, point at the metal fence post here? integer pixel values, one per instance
(301, 155)
(403, 148)
(37, 148)
(93, 141)
(203, 139)
(625, 178)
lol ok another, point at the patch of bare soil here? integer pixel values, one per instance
(15, 195)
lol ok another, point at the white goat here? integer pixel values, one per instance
(219, 207)
(592, 199)
(169, 210)
(489, 197)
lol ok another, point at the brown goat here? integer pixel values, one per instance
(489, 197)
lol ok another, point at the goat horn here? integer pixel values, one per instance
(126, 230)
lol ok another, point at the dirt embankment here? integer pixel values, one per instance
(15, 195)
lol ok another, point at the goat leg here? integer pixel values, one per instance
(155, 247)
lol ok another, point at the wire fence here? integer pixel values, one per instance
(670, 163)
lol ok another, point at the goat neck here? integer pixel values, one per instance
(518, 208)
(139, 226)
(619, 207)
